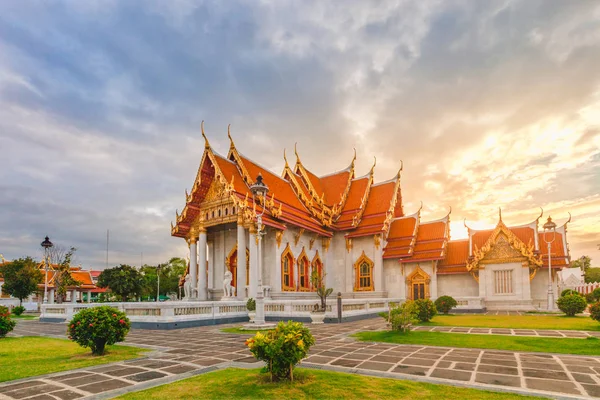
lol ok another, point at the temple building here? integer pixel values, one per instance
(353, 231)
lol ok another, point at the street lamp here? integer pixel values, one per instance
(158, 268)
(550, 227)
(259, 190)
(46, 244)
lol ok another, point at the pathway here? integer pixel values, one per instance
(178, 354)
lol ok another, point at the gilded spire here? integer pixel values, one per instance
(500, 213)
(541, 213)
(296, 153)
(231, 144)
(374, 164)
(285, 159)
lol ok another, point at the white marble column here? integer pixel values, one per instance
(253, 248)
(193, 265)
(378, 284)
(241, 261)
(73, 296)
(1, 283)
(202, 291)
(89, 296)
(51, 297)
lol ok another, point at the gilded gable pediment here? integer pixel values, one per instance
(502, 252)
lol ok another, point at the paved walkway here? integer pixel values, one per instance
(178, 354)
(511, 332)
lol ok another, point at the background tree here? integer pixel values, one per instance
(169, 277)
(592, 275)
(63, 279)
(583, 263)
(21, 278)
(124, 281)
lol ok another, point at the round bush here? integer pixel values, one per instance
(445, 303)
(18, 310)
(251, 304)
(595, 311)
(96, 327)
(571, 304)
(282, 348)
(596, 294)
(6, 324)
(425, 309)
(568, 291)
(590, 298)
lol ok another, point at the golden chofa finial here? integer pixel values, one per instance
(500, 213)
(354, 158)
(285, 159)
(569, 218)
(206, 144)
(541, 213)
(296, 153)
(374, 164)
(401, 165)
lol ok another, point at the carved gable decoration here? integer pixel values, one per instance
(502, 252)
(504, 247)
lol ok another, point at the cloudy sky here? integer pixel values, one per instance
(488, 103)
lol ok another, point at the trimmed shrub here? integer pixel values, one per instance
(590, 299)
(96, 327)
(404, 316)
(6, 324)
(595, 311)
(251, 304)
(445, 303)
(425, 309)
(18, 310)
(596, 294)
(571, 304)
(282, 348)
(567, 292)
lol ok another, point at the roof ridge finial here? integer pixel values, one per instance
(401, 166)
(206, 144)
(500, 213)
(374, 164)
(285, 159)
(569, 220)
(420, 208)
(541, 213)
(229, 133)
(296, 153)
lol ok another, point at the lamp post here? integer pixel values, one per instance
(158, 269)
(46, 244)
(550, 227)
(259, 189)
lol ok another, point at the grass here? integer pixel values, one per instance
(517, 321)
(243, 331)
(235, 383)
(21, 357)
(23, 316)
(589, 346)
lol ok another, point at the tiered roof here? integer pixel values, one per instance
(409, 240)
(334, 202)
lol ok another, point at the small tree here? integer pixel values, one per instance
(251, 305)
(6, 324)
(282, 348)
(125, 281)
(571, 304)
(98, 326)
(317, 282)
(21, 278)
(403, 317)
(445, 303)
(62, 272)
(426, 309)
(592, 275)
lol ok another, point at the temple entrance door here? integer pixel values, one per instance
(418, 284)
(232, 266)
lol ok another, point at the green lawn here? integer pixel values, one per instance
(242, 331)
(22, 357)
(590, 346)
(24, 316)
(235, 383)
(533, 321)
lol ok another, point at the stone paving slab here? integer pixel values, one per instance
(185, 352)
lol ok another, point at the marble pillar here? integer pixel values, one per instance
(89, 296)
(73, 296)
(202, 279)
(241, 261)
(51, 296)
(253, 248)
(193, 265)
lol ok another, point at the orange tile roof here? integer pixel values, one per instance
(457, 253)
(401, 237)
(431, 241)
(560, 259)
(334, 186)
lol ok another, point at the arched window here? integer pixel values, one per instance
(287, 270)
(316, 268)
(363, 274)
(303, 272)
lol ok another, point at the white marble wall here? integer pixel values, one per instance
(460, 285)
(394, 280)
(520, 282)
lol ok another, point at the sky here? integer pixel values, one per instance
(488, 104)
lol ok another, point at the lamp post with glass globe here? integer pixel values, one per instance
(259, 190)
(46, 244)
(550, 228)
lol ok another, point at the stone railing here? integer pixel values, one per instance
(181, 311)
